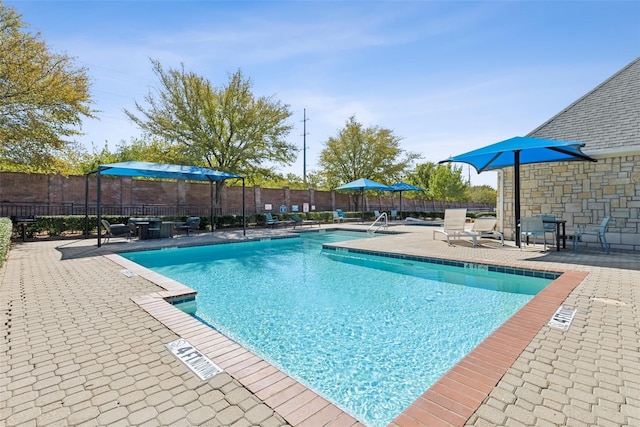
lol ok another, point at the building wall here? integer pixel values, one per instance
(580, 193)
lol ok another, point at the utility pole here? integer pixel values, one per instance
(304, 146)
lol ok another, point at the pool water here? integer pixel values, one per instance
(368, 333)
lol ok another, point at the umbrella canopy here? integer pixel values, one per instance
(399, 187)
(521, 151)
(158, 170)
(364, 184)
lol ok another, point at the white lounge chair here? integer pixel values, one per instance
(485, 226)
(600, 231)
(454, 221)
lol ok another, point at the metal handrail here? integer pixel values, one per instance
(382, 216)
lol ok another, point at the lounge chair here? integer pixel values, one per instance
(337, 217)
(191, 224)
(299, 221)
(344, 217)
(116, 230)
(485, 226)
(600, 231)
(531, 228)
(273, 220)
(453, 227)
(417, 221)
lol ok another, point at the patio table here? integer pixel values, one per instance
(560, 231)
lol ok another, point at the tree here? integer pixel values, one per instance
(359, 152)
(223, 128)
(422, 176)
(482, 194)
(441, 182)
(447, 184)
(43, 96)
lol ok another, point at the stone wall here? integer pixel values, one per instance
(580, 193)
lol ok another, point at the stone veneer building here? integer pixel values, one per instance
(607, 120)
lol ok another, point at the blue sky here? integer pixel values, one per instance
(446, 76)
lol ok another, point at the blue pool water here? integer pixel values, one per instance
(369, 333)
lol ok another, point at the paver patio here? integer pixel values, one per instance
(83, 344)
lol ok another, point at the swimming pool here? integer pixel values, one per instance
(369, 333)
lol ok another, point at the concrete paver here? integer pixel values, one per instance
(79, 346)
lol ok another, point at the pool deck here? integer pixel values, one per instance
(84, 344)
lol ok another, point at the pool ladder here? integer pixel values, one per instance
(381, 221)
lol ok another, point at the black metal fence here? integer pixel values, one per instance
(62, 209)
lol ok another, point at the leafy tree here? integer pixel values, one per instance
(43, 96)
(441, 182)
(422, 176)
(223, 128)
(359, 152)
(482, 194)
(447, 184)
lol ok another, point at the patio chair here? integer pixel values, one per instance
(531, 228)
(453, 227)
(153, 231)
(337, 217)
(191, 224)
(485, 226)
(600, 231)
(344, 217)
(273, 220)
(549, 227)
(115, 230)
(299, 221)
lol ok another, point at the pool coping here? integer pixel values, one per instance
(450, 401)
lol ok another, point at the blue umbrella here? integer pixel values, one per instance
(521, 151)
(364, 184)
(403, 186)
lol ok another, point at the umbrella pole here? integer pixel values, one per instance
(516, 190)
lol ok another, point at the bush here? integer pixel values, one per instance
(6, 228)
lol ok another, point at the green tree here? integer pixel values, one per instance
(359, 152)
(447, 184)
(422, 176)
(441, 182)
(482, 194)
(223, 128)
(43, 96)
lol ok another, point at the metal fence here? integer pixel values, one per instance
(62, 209)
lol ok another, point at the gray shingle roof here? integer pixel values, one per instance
(607, 118)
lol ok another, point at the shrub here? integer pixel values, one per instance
(6, 228)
